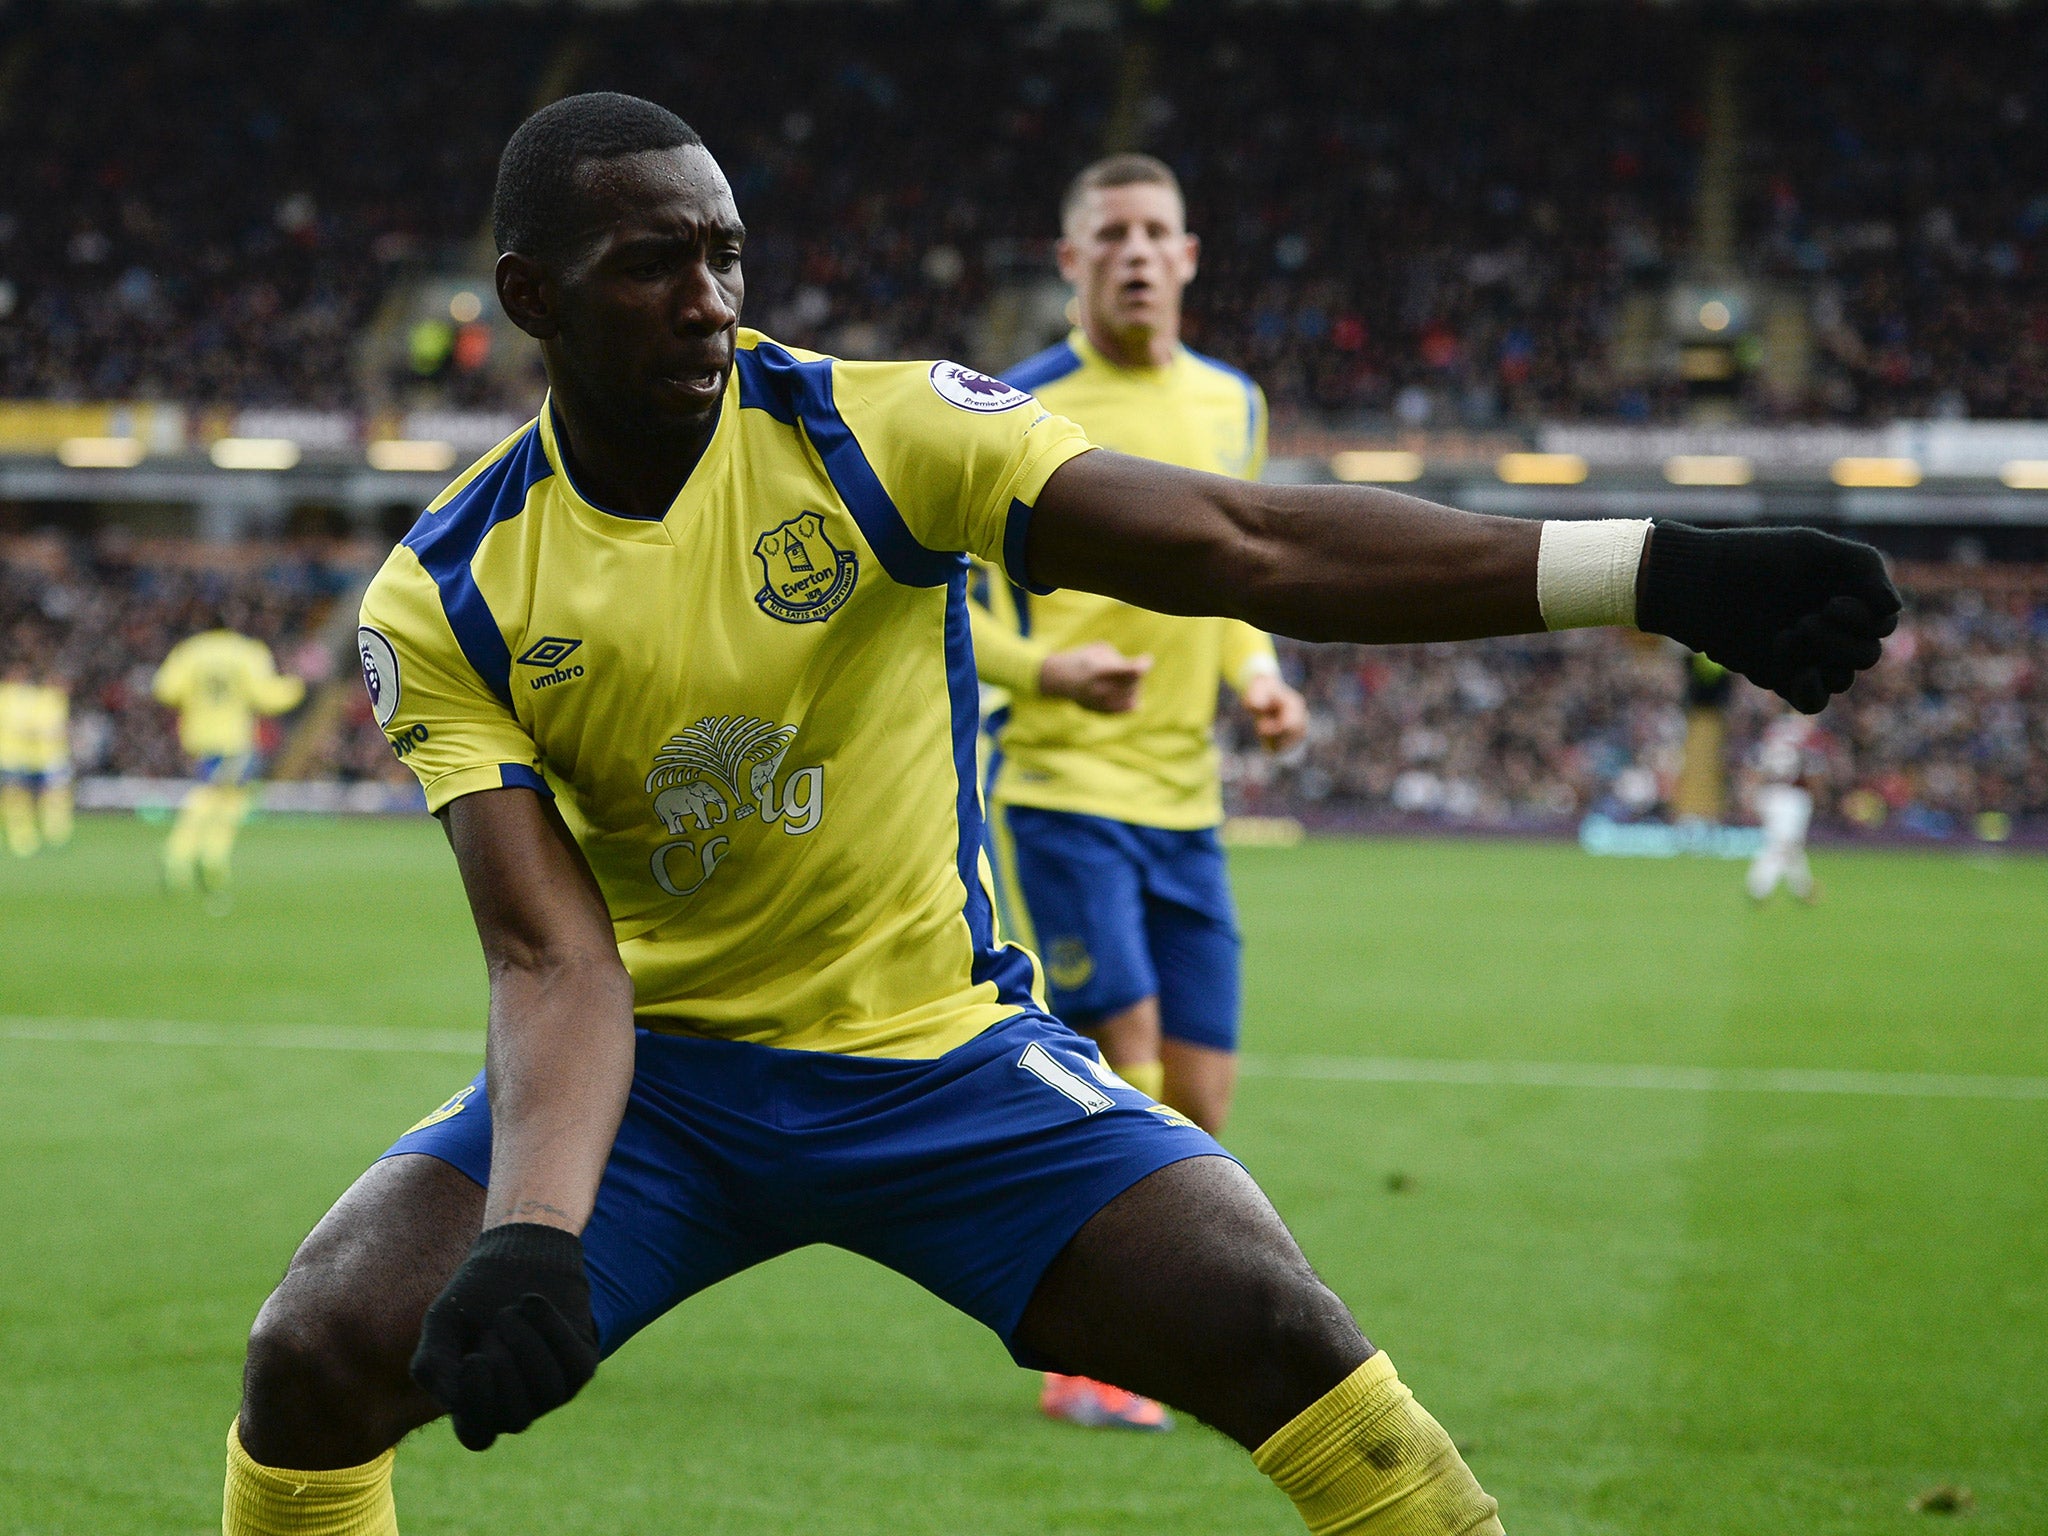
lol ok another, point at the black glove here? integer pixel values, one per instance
(1794, 610)
(510, 1337)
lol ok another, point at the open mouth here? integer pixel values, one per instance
(699, 383)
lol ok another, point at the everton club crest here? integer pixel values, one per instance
(807, 575)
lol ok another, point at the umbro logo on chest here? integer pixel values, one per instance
(551, 653)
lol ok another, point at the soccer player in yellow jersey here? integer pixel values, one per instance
(219, 682)
(684, 667)
(35, 761)
(1108, 822)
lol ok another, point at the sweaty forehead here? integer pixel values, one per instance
(654, 190)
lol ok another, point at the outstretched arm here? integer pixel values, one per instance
(1795, 610)
(511, 1336)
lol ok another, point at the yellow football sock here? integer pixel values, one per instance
(217, 833)
(268, 1501)
(1148, 1077)
(19, 809)
(181, 852)
(56, 812)
(1365, 1459)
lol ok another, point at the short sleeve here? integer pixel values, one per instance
(961, 455)
(168, 686)
(441, 719)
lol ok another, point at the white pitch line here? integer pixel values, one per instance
(1333, 1069)
(262, 1037)
(1590, 1074)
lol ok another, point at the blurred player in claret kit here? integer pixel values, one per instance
(220, 683)
(684, 667)
(1784, 809)
(1106, 823)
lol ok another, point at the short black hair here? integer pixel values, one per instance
(533, 210)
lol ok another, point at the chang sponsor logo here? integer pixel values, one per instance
(719, 773)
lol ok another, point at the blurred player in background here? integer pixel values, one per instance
(1784, 805)
(1105, 822)
(219, 682)
(1108, 820)
(35, 761)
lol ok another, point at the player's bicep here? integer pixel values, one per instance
(1170, 539)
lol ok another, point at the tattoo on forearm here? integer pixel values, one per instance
(526, 1210)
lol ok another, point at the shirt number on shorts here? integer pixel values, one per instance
(1037, 1060)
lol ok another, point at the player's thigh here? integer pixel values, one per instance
(1191, 934)
(1082, 879)
(327, 1383)
(1188, 1288)
(666, 1222)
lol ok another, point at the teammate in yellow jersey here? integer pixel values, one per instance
(219, 682)
(684, 667)
(35, 761)
(1106, 825)
(1109, 821)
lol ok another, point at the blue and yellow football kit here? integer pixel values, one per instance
(757, 715)
(35, 765)
(1105, 825)
(220, 683)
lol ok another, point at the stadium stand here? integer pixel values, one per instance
(1401, 231)
(1464, 252)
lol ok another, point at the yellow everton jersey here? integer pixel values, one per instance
(757, 713)
(1156, 765)
(35, 728)
(219, 682)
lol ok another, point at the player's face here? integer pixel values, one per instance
(644, 317)
(1128, 254)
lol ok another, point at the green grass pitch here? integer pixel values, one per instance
(1645, 1311)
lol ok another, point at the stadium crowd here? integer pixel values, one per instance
(1533, 732)
(1400, 222)
(1953, 724)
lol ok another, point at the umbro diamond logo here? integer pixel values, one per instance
(548, 651)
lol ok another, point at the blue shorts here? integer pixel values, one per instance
(968, 1172)
(1123, 912)
(229, 769)
(35, 780)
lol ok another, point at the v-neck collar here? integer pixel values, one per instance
(681, 511)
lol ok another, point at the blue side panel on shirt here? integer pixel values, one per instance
(1043, 368)
(1251, 395)
(772, 380)
(1004, 964)
(447, 540)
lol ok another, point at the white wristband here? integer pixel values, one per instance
(1586, 572)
